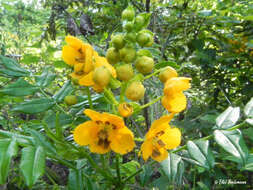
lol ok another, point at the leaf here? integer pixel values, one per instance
(228, 118)
(249, 164)
(32, 164)
(19, 88)
(50, 119)
(146, 174)
(8, 149)
(249, 121)
(45, 78)
(9, 67)
(64, 91)
(233, 143)
(75, 180)
(173, 167)
(167, 63)
(41, 140)
(201, 153)
(34, 106)
(248, 110)
(250, 17)
(21, 139)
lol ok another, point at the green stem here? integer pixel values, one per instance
(122, 92)
(152, 102)
(89, 97)
(211, 136)
(152, 74)
(118, 170)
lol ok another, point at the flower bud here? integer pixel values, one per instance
(144, 64)
(167, 73)
(125, 72)
(70, 100)
(127, 54)
(125, 109)
(145, 39)
(112, 55)
(118, 41)
(135, 91)
(139, 21)
(128, 14)
(101, 76)
(128, 26)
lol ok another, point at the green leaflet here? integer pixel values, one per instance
(34, 106)
(8, 149)
(233, 143)
(19, 88)
(228, 118)
(9, 67)
(45, 78)
(64, 91)
(248, 109)
(32, 164)
(201, 153)
(173, 167)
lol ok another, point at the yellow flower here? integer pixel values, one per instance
(125, 109)
(104, 132)
(174, 100)
(99, 61)
(159, 138)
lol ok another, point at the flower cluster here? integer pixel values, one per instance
(90, 69)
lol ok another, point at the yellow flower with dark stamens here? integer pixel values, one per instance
(103, 133)
(159, 138)
(174, 100)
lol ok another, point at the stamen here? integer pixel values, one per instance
(107, 123)
(98, 122)
(156, 153)
(102, 134)
(161, 143)
(160, 133)
(114, 126)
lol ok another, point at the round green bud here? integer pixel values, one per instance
(144, 64)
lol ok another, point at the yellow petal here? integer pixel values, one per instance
(74, 42)
(102, 61)
(146, 149)
(95, 148)
(115, 120)
(78, 67)
(87, 80)
(83, 133)
(88, 52)
(122, 140)
(174, 103)
(164, 120)
(163, 155)
(171, 138)
(93, 115)
(176, 84)
(70, 55)
(76, 76)
(97, 88)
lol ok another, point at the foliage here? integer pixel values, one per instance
(210, 42)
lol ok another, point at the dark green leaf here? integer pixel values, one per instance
(228, 118)
(249, 163)
(201, 153)
(64, 91)
(173, 167)
(45, 78)
(248, 110)
(233, 143)
(19, 88)
(75, 180)
(21, 139)
(8, 149)
(32, 164)
(167, 63)
(34, 106)
(50, 119)
(9, 67)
